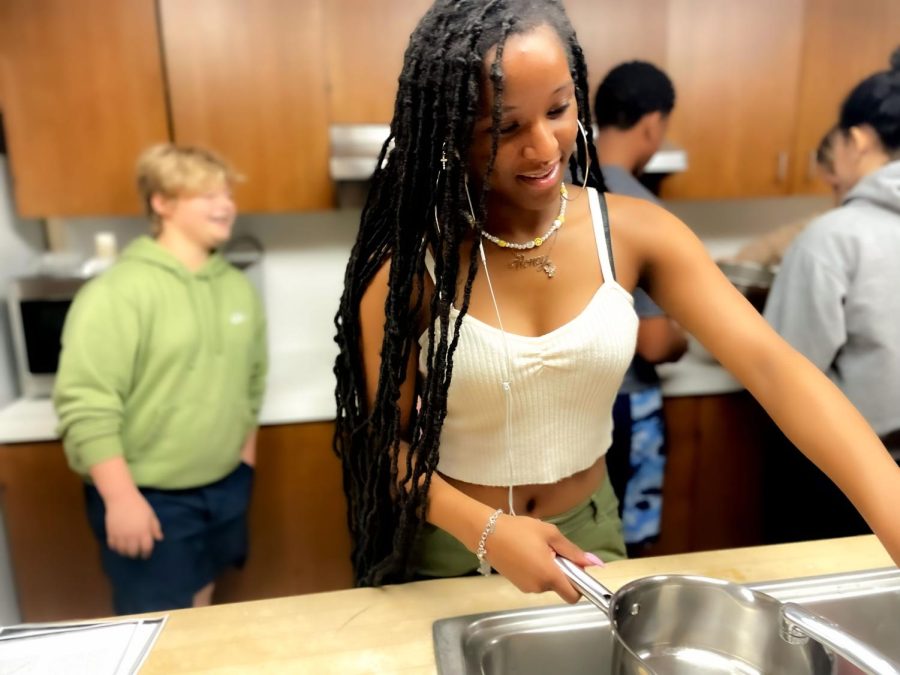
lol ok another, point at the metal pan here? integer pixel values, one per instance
(689, 625)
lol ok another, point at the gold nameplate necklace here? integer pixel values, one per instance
(538, 262)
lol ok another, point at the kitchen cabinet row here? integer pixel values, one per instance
(85, 86)
(299, 541)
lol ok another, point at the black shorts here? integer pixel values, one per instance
(204, 532)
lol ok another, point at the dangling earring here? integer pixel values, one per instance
(587, 163)
(437, 182)
(444, 156)
(472, 222)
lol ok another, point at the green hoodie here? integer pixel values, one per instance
(163, 367)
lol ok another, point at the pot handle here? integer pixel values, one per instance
(590, 588)
(798, 624)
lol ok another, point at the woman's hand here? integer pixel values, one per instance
(522, 549)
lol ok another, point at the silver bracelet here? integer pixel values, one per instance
(484, 567)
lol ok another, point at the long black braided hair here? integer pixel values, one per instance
(437, 104)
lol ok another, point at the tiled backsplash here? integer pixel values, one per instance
(302, 270)
(725, 225)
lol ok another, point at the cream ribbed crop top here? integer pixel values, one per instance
(562, 388)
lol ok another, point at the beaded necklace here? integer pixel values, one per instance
(537, 241)
(541, 262)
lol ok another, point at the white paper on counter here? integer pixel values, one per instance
(99, 648)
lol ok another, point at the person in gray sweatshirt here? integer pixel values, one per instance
(836, 299)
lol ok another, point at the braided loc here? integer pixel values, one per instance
(415, 204)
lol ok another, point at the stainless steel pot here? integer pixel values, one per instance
(688, 625)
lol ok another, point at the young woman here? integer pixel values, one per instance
(487, 319)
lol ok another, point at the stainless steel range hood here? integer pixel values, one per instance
(355, 148)
(668, 159)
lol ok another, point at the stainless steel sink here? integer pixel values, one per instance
(570, 640)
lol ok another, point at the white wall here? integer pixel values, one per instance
(20, 243)
(302, 270)
(725, 225)
(305, 255)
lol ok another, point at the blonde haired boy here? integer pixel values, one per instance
(160, 382)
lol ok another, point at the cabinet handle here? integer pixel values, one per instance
(782, 170)
(812, 166)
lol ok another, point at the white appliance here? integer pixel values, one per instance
(37, 309)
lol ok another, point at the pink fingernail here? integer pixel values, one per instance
(594, 560)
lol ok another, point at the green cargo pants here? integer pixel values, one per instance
(593, 525)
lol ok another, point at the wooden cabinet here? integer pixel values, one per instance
(610, 32)
(55, 559)
(736, 70)
(248, 79)
(759, 83)
(845, 41)
(367, 39)
(366, 42)
(84, 87)
(87, 86)
(82, 95)
(299, 541)
(712, 495)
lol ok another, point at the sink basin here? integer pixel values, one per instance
(575, 639)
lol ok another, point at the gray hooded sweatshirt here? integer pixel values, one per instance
(836, 298)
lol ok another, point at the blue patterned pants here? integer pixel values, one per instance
(637, 462)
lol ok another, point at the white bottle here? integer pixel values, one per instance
(105, 251)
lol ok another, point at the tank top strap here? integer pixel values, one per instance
(600, 217)
(429, 264)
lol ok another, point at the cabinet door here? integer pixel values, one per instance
(368, 39)
(736, 68)
(55, 558)
(845, 41)
(82, 97)
(366, 43)
(247, 78)
(299, 541)
(611, 32)
(712, 490)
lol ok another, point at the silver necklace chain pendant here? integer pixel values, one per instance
(549, 268)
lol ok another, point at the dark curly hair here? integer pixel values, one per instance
(631, 90)
(436, 106)
(876, 102)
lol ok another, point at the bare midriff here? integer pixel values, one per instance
(542, 500)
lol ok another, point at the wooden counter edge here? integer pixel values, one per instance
(388, 629)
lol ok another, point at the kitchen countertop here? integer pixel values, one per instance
(388, 630)
(301, 386)
(696, 373)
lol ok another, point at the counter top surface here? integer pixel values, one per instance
(696, 373)
(388, 630)
(301, 386)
